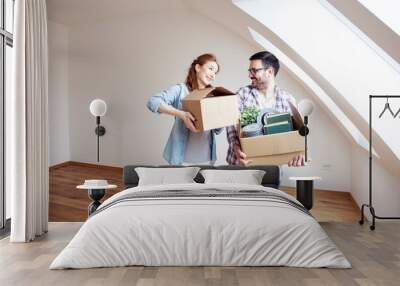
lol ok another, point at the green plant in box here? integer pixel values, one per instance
(249, 115)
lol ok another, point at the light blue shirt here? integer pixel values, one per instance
(174, 151)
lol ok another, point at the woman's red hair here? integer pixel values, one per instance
(191, 78)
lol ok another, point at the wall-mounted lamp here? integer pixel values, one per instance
(98, 108)
(306, 107)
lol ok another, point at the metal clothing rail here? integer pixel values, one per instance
(369, 205)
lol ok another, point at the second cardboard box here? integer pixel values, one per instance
(274, 149)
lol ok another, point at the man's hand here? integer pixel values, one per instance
(241, 156)
(188, 119)
(297, 161)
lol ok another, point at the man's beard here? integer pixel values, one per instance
(259, 84)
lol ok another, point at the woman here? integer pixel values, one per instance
(185, 144)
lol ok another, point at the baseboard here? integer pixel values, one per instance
(82, 164)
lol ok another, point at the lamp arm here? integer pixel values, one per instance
(305, 138)
(98, 138)
(305, 151)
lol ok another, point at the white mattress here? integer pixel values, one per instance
(200, 231)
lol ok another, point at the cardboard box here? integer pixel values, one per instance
(275, 149)
(212, 107)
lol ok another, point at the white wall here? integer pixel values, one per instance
(124, 61)
(58, 93)
(385, 187)
(328, 149)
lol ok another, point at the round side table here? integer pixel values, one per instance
(96, 194)
(305, 190)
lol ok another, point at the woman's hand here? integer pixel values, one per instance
(188, 119)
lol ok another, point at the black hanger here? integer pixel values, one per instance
(387, 107)
(397, 113)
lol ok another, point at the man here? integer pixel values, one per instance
(262, 93)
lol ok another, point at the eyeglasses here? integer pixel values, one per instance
(255, 71)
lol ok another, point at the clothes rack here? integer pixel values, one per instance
(369, 205)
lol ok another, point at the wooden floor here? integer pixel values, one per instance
(70, 204)
(374, 255)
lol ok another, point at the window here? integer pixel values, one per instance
(9, 19)
(6, 56)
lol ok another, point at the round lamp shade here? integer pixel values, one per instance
(306, 107)
(98, 107)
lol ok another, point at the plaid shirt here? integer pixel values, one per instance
(250, 96)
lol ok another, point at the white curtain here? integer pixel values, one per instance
(28, 123)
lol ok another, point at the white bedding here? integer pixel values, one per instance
(200, 231)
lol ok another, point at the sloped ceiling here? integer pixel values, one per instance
(372, 26)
